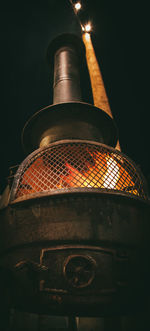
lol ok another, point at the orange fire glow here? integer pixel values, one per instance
(106, 172)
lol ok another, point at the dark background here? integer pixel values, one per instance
(121, 41)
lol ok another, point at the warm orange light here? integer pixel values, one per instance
(87, 36)
(33, 182)
(77, 6)
(97, 84)
(105, 171)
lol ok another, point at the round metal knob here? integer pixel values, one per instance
(79, 270)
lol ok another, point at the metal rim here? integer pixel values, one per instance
(35, 126)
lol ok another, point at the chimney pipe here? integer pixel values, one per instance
(66, 86)
(68, 117)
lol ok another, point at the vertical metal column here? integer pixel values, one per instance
(66, 86)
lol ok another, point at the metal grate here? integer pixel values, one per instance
(77, 164)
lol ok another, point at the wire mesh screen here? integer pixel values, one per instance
(75, 164)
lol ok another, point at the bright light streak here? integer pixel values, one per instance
(77, 6)
(112, 174)
(87, 36)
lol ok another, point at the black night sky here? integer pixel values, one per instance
(121, 41)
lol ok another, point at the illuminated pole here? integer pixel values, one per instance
(98, 89)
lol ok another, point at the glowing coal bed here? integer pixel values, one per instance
(68, 165)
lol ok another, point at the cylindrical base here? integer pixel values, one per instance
(80, 254)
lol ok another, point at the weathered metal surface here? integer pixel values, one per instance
(75, 216)
(66, 39)
(43, 234)
(23, 321)
(66, 86)
(70, 120)
(79, 270)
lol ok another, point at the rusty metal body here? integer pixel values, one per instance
(109, 232)
(75, 250)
